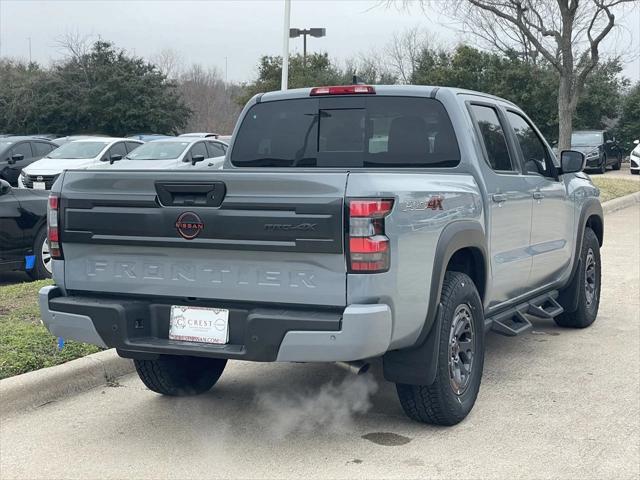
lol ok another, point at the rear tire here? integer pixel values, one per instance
(42, 265)
(588, 283)
(179, 376)
(450, 398)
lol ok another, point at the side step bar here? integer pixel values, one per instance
(514, 321)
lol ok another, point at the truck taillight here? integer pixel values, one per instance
(53, 234)
(369, 250)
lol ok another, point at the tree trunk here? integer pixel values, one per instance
(565, 113)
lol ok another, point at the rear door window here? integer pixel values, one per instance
(493, 137)
(350, 131)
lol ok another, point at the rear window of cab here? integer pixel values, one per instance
(347, 131)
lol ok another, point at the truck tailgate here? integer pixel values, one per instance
(251, 236)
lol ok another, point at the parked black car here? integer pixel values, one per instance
(18, 152)
(600, 148)
(23, 231)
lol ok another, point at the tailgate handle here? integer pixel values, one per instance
(184, 194)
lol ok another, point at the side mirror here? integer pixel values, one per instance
(115, 158)
(572, 161)
(5, 187)
(196, 158)
(636, 142)
(16, 157)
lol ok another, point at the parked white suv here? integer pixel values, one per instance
(176, 153)
(78, 154)
(634, 159)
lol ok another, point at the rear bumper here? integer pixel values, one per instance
(140, 328)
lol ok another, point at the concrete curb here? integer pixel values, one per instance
(34, 389)
(620, 203)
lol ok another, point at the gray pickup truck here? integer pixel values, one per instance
(348, 223)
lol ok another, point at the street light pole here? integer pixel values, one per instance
(314, 32)
(304, 51)
(284, 83)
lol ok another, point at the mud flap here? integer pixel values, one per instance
(416, 365)
(570, 294)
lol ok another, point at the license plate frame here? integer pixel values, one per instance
(192, 324)
(39, 186)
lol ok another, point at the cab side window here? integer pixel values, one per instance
(22, 149)
(535, 155)
(199, 149)
(493, 137)
(117, 149)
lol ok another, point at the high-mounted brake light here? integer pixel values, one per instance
(342, 90)
(369, 250)
(53, 233)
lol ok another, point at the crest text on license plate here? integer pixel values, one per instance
(199, 324)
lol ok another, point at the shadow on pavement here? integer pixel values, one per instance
(7, 278)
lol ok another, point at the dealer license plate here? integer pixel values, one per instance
(39, 186)
(199, 324)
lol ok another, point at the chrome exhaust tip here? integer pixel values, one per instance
(357, 368)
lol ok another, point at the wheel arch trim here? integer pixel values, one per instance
(456, 236)
(418, 364)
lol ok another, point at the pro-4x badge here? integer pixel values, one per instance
(433, 203)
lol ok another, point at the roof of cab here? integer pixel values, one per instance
(399, 90)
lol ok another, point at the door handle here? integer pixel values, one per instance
(538, 195)
(499, 197)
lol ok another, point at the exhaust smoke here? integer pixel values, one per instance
(328, 410)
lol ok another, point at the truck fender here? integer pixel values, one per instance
(417, 365)
(569, 294)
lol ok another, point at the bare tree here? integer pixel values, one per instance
(211, 100)
(404, 52)
(566, 33)
(74, 44)
(169, 62)
(371, 67)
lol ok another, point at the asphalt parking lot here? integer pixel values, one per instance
(623, 173)
(554, 403)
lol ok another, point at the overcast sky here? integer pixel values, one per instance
(207, 31)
